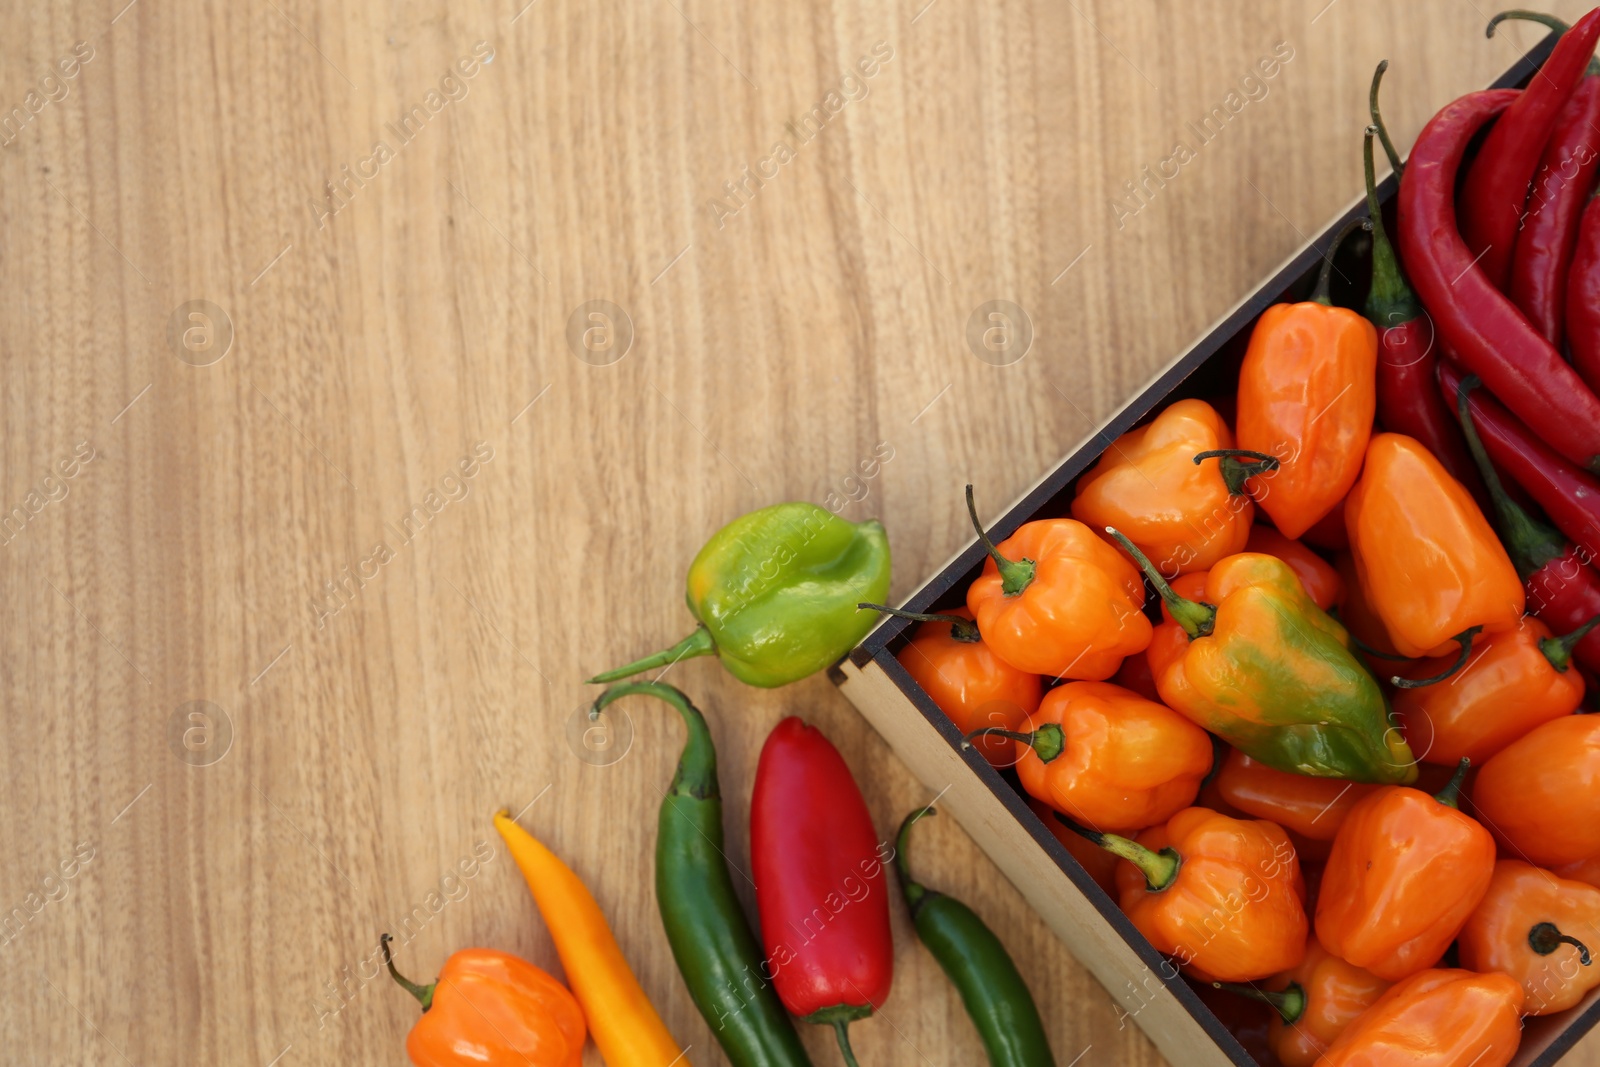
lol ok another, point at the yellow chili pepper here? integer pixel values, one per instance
(621, 1018)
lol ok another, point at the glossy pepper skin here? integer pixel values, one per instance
(1538, 929)
(1110, 759)
(1312, 807)
(1261, 666)
(1428, 562)
(1452, 1018)
(977, 964)
(1406, 871)
(1307, 394)
(1541, 793)
(812, 845)
(492, 1009)
(1317, 576)
(972, 686)
(1183, 513)
(718, 955)
(1334, 994)
(1054, 599)
(775, 594)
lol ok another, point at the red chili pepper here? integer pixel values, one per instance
(819, 882)
(1475, 321)
(1496, 191)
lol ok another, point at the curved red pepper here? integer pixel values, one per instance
(819, 882)
(1496, 191)
(1475, 321)
(1583, 297)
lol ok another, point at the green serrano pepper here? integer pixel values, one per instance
(720, 958)
(990, 986)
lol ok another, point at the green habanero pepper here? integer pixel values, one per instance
(775, 594)
(978, 965)
(721, 960)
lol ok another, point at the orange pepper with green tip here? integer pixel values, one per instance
(1108, 758)
(1452, 1017)
(1537, 928)
(1176, 487)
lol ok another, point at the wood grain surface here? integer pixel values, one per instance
(278, 273)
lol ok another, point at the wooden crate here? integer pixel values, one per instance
(995, 813)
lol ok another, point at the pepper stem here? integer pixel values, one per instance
(963, 630)
(914, 892)
(1390, 300)
(698, 643)
(1545, 938)
(1530, 543)
(1542, 19)
(1450, 795)
(1048, 741)
(1196, 617)
(1234, 472)
(1558, 650)
(423, 993)
(841, 1030)
(1323, 293)
(1464, 638)
(696, 775)
(1160, 869)
(1015, 575)
(1377, 120)
(1289, 1003)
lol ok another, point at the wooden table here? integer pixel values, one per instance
(277, 273)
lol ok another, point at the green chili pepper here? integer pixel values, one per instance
(721, 960)
(775, 593)
(990, 986)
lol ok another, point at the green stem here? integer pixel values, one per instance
(1197, 618)
(696, 776)
(1464, 638)
(1530, 543)
(841, 1030)
(1323, 293)
(1558, 650)
(1377, 121)
(1390, 300)
(698, 643)
(1235, 473)
(1545, 938)
(1289, 1003)
(963, 630)
(1556, 24)
(1450, 795)
(915, 892)
(423, 993)
(1015, 575)
(1160, 869)
(1048, 741)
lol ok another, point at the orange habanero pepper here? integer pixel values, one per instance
(1313, 1004)
(972, 686)
(1308, 394)
(1222, 896)
(1537, 928)
(1443, 1018)
(1322, 583)
(1406, 871)
(492, 1009)
(1108, 758)
(1312, 807)
(1176, 488)
(1428, 562)
(1541, 793)
(1055, 599)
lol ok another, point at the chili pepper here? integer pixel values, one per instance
(1096, 861)
(774, 593)
(1440, 1017)
(1479, 325)
(1583, 295)
(1427, 560)
(1541, 793)
(1496, 191)
(1054, 599)
(1261, 666)
(1201, 871)
(1109, 758)
(622, 1021)
(1317, 576)
(719, 956)
(816, 861)
(1312, 807)
(491, 1009)
(971, 685)
(1307, 395)
(1405, 872)
(1176, 487)
(977, 964)
(1537, 928)
(1313, 1003)
(1586, 871)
